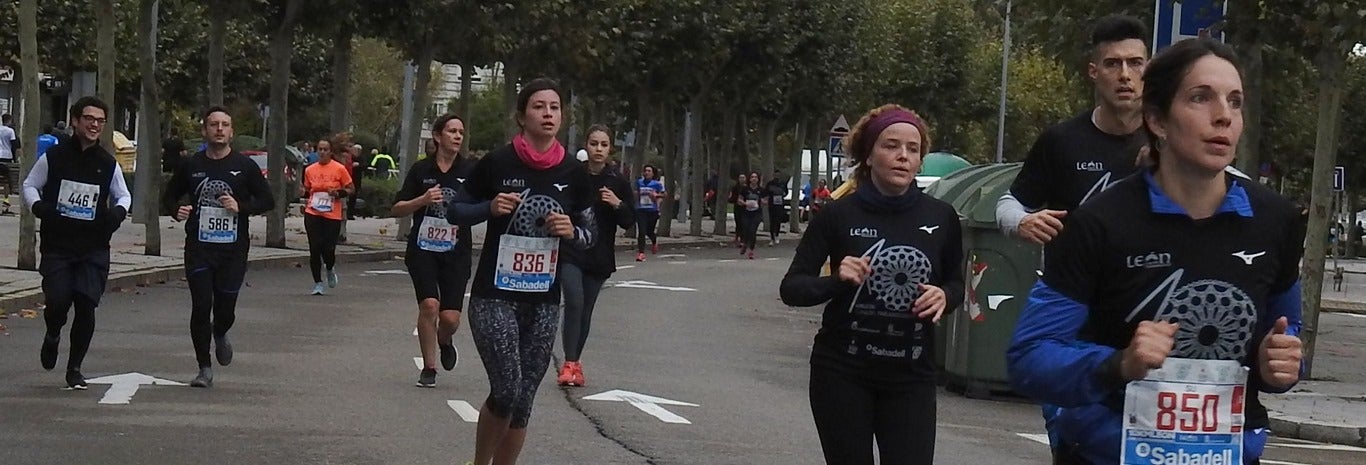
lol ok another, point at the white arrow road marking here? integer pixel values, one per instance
(647, 404)
(414, 330)
(418, 361)
(994, 301)
(672, 255)
(1039, 438)
(650, 285)
(1278, 462)
(380, 272)
(1353, 315)
(466, 411)
(625, 267)
(1315, 446)
(123, 387)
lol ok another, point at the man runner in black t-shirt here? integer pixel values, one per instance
(1077, 158)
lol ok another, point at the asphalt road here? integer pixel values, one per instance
(329, 380)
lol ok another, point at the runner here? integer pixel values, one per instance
(822, 195)
(224, 188)
(1181, 281)
(649, 191)
(741, 182)
(776, 196)
(78, 192)
(1076, 159)
(325, 182)
(899, 269)
(584, 273)
(749, 200)
(439, 252)
(537, 197)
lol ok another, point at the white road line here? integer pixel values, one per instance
(418, 361)
(622, 267)
(1039, 438)
(465, 410)
(672, 255)
(677, 263)
(1278, 462)
(770, 259)
(1353, 315)
(414, 331)
(1316, 446)
(729, 260)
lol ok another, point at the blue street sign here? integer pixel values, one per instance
(836, 147)
(1186, 19)
(1339, 178)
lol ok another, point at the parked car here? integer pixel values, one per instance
(262, 160)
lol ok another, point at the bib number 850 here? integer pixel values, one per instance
(1187, 412)
(528, 263)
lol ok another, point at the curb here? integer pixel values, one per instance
(1287, 426)
(1339, 306)
(144, 277)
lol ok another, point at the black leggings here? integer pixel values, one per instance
(775, 223)
(73, 280)
(749, 227)
(580, 296)
(646, 221)
(849, 414)
(514, 340)
(214, 283)
(82, 327)
(322, 243)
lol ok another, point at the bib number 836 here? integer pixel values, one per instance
(1187, 412)
(528, 263)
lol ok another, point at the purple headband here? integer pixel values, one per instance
(884, 120)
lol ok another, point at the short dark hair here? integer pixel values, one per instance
(204, 117)
(440, 124)
(536, 85)
(6, 117)
(1116, 28)
(87, 101)
(45, 129)
(598, 128)
(1164, 73)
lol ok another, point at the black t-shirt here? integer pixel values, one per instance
(601, 259)
(170, 154)
(424, 175)
(1213, 277)
(777, 192)
(871, 331)
(747, 194)
(204, 180)
(1071, 162)
(564, 188)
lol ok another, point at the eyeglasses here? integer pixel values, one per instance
(88, 119)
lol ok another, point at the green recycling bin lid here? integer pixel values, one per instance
(940, 164)
(973, 191)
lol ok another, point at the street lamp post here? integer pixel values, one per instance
(1005, 77)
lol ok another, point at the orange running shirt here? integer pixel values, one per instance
(322, 178)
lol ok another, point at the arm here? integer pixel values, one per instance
(1031, 188)
(175, 189)
(1009, 214)
(951, 265)
(584, 219)
(803, 286)
(1284, 302)
(410, 197)
(119, 189)
(471, 204)
(33, 184)
(1045, 359)
(625, 212)
(261, 199)
(348, 185)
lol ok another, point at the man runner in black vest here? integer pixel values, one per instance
(78, 192)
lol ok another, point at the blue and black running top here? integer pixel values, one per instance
(644, 188)
(1131, 254)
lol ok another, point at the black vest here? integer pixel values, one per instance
(94, 166)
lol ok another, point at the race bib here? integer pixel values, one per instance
(526, 264)
(751, 205)
(436, 234)
(76, 200)
(1189, 411)
(647, 198)
(217, 225)
(321, 202)
(777, 200)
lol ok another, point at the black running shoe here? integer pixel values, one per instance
(74, 380)
(205, 378)
(49, 352)
(427, 379)
(449, 357)
(223, 349)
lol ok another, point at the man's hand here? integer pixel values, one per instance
(229, 203)
(183, 213)
(1280, 355)
(1152, 342)
(608, 197)
(1042, 226)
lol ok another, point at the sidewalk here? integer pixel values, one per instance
(368, 239)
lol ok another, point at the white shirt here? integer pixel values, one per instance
(37, 178)
(6, 138)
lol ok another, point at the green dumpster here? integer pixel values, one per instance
(999, 271)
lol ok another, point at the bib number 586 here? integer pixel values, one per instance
(528, 263)
(218, 224)
(1187, 412)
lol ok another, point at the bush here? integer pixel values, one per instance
(376, 196)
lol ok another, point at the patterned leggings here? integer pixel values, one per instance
(515, 340)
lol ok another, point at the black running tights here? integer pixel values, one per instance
(82, 327)
(322, 243)
(851, 414)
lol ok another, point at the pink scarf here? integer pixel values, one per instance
(538, 160)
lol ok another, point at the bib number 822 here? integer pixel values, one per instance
(1187, 412)
(437, 234)
(528, 263)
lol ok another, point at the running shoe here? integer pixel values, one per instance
(427, 378)
(576, 374)
(777, 241)
(742, 250)
(332, 277)
(223, 349)
(751, 254)
(317, 288)
(74, 380)
(449, 357)
(49, 352)
(640, 256)
(205, 378)
(566, 374)
(654, 248)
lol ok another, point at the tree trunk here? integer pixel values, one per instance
(32, 115)
(341, 78)
(104, 10)
(1249, 146)
(673, 167)
(281, 52)
(768, 134)
(218, 26)
(812, 134)
(742, 141)
(1331, 62)
(510, 127)
(645, 119)
(405, 158)
(798, 135)
(146, 180)
(466, 96)
(695, 166)
(723, 170)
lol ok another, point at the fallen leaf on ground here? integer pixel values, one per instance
(29, 314)
(3, 328)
